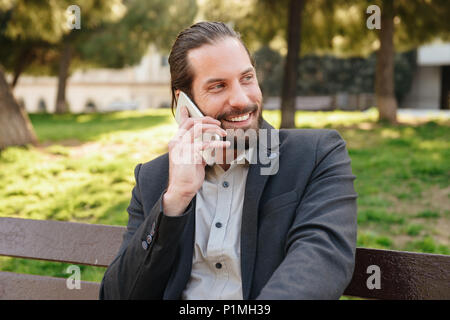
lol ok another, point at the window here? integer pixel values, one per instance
(164, 61)
(42, 106)
(90, 106)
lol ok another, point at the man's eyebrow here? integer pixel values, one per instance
(250, 69)
(212, 80)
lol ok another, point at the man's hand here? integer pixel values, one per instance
(186, 164)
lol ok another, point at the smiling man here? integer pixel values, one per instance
(226, 231)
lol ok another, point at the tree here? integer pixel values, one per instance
(124, 42)
(22, 24)
(94, 16)
(289, 88)
(116, 43)
(404, 25)
(15, 126)
(37, 40)
(384, 75)
(269, 70)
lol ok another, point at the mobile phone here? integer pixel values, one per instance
(194, 112)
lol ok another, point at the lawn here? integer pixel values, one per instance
(83, 171)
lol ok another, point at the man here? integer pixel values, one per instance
(226, 231)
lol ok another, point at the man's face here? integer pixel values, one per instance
(224, 86)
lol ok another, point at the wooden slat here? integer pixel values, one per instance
(404, 275)
(14, 286)
(78, 243)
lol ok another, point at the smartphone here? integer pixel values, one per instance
(194, 112)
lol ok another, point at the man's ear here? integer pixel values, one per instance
(177, 93)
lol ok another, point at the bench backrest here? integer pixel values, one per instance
(402, 275)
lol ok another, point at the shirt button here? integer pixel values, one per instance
(149, 239)
(225, 184)
(144, 245)
(218, 265)
(218, 225)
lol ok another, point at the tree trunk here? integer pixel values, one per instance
(64, 64)
(16, 76)
(15, 126)
(290, 77)
(23, 60)
(384, 77)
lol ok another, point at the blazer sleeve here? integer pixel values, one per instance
(321, 242)
(142, 267)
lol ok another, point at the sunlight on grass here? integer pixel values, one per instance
(319, 119)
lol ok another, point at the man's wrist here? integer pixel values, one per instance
(175, 203)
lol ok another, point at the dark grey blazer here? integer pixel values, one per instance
(298, 233)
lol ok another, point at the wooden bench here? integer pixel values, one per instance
(404, 275)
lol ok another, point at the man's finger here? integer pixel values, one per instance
(214, 144)
(187, 124)
(184, 113)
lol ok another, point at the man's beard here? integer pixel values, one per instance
(237, 134)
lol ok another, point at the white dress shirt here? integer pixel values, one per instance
(216, 264)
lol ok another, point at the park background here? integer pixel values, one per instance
(79, 108)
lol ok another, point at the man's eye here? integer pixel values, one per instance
(217, 86)
(248, 77)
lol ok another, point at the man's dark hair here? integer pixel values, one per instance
(195, 36)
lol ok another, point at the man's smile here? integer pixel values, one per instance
(239, 118)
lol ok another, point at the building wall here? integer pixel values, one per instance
(146, 85)
(425, 90)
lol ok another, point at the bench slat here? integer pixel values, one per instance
(79, 243)
(404, 275)
(14, 286)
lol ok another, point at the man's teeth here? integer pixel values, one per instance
(241, 118)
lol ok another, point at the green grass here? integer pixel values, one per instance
(83, 171)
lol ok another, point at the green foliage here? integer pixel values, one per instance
(416, 23)
(262, 21)
(33, 20)
(123, 43)
(335, 27)
(373, 240)
(326, 75)
(379, 216)
(428, 214)
(49, 268)
(414, 229)
(427, 245)
(32, 31)
(269, 68)
(114, 33)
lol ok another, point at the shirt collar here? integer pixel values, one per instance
(244, 157)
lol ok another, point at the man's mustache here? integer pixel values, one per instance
(235, 113)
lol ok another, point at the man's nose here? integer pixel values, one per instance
(238, 96)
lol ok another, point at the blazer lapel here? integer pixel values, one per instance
(249, 229)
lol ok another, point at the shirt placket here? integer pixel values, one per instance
(215, 248)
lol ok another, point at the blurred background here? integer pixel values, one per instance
(85, 96)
